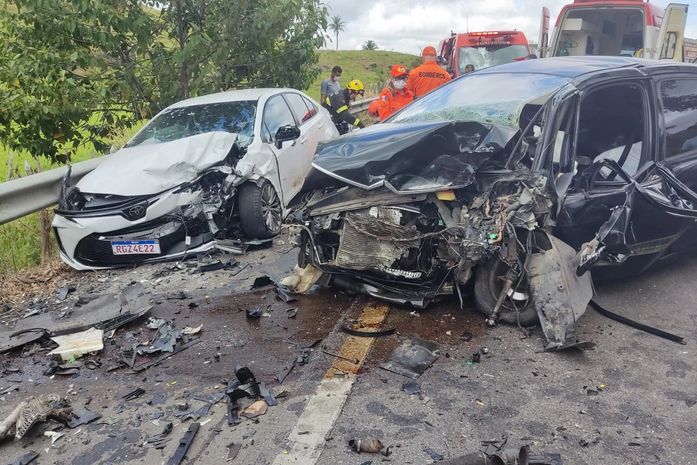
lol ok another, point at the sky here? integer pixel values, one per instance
(408, 25)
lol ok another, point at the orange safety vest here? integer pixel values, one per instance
(390, 100)
(423, 79)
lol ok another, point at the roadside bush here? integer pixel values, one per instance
(20, 243)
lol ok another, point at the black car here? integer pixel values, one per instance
(520, 177)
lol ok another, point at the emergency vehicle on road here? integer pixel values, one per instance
(483, 49)
(633, 28)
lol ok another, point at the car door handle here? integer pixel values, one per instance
(303, 140)
(320, 125)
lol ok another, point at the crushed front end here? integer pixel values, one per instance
(99, 230)
(435, 210)
(416, 247)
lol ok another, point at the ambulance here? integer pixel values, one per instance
(632, 28)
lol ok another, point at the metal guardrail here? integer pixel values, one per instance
(20, 197)
(362, 105)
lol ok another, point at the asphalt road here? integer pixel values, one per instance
(640, 416)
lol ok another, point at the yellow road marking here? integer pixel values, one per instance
(357, 348)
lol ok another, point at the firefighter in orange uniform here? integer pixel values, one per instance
(395, 95)
(373, 109)
(429, 75)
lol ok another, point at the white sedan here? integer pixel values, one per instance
(212, 168)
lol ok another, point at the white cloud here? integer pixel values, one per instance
(409, 25)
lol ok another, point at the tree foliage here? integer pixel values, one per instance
(244, 43)
(370, 45)
(70, 70)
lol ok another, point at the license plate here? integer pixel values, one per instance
(150, 246)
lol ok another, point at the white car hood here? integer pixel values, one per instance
(152, 168)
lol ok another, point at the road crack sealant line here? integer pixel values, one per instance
(307, 438)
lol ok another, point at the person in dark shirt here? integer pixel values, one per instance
(331, 86)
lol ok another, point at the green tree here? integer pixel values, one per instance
(370, 45)
(72, 70)
(69, 72)
(267, 43)
(222, 44)
(337, 25)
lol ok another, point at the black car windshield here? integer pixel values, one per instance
(178, 123)
(496, 98)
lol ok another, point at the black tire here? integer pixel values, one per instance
(261, 213)
(487, 287)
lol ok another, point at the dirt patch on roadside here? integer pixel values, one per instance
(40, 281)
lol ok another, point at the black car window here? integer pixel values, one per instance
(277, 114)
(679, 98)
(612, 126)
(297, 105)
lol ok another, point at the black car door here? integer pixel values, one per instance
(614, 144)
(677, 121)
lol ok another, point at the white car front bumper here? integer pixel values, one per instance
(85, 237)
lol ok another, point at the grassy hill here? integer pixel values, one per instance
(370, 66)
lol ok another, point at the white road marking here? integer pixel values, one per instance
(322, 410)
(324, 407)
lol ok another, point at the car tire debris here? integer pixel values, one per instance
(370, 446)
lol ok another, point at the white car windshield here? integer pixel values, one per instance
(496, 98)
(178, 123)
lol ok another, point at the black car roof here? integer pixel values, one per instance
(572, 67)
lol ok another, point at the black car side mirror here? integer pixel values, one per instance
(286, 133)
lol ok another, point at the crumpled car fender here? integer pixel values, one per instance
(560, 296)
(258, 166)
